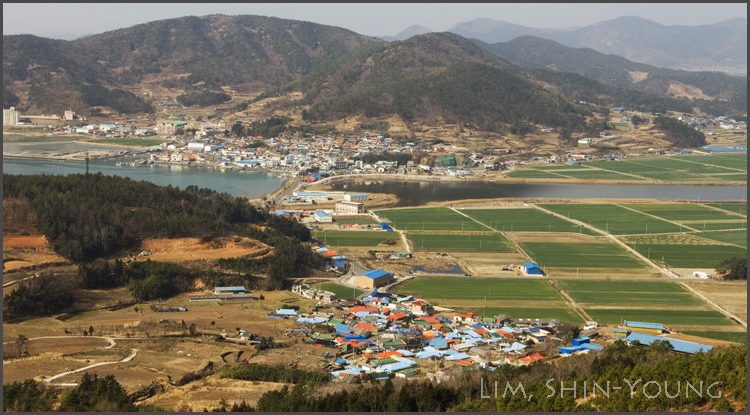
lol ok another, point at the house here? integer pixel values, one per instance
(464, 318)
(349, 207)
(420, 307)
(373, 279)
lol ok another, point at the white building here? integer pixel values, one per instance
(321, 216)
(586, 141)
(349, 207)
(356, 197)
(69, 115)
(10, 116)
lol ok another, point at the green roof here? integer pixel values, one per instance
(379, 362)
(393, 343)
(335, 321)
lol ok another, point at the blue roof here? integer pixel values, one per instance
(229, 288)
(679, 345)
(358, 194)
(638, 324)
(375, 274)
(339, 361)
(530, 265)
(322, 214)
(311, 193)
(286, 312)
(439, 343)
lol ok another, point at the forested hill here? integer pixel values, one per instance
(211, 51)
(618, 72)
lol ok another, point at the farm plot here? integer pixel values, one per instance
(460, 241)
(524, 220)
(683, 212)
(340, 291)
(730, 237)
(683, 251)
(561, 314)
(670, 169)
(597, 174)
(668, 317)
(579, 255)
(733, 161)
(354, 238)
(640, 298)
(614, 219)
(475, 289)
(716, 226)
(623, 286)
(429, 219)
(561, 167)
(534, 174)
(730, 336)
(731, 207)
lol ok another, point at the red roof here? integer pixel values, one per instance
(481, 331)
(504, 334)
(464, 363)
(368, 356)
(397, 316)
(429, 319)
(388, 354)
(468, 315)
(358, 308)
(419, 303)
(532, 358)
(365, 326)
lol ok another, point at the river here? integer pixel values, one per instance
(421, 193)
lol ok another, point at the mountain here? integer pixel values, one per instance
(721, 46)
(189, 53)
(407, 33)
(618, 72)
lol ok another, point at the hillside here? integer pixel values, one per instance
(407, 33)
(248, 53)
(618, 72)
(721, 46)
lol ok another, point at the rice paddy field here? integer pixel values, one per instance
(598, 174)
(632, 298)
(666, 317)
(354, 238)
(524, 220)
(534, 174)
(730, 237)
(623, 286)
(476, 289)
(460, 241)
(684, 251)
(731, 207)
(683, 212)
(580, 255)
(429, 219)
(733, 161)
(340, 291)
(731, 336)
(694, 168)
(614, 219)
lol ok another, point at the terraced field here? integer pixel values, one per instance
(614, 219)
(524, 220)
(460, 241)
(429, 219)
(579, 255)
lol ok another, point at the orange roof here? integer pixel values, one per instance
(329, 253)
(429, 319)
(368, 356)
(339, 339)
(365, 326)
(464, 363)
(397, 316)
(481, 331)
(438, 326)
(468, 315)
(388, 354)
(358, 308)
(532, 358)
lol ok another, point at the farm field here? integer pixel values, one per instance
(640, 298)
(717, 226)
(668, 170)
(475, 289)
(730, 237)
(429, 219)
(597, 174)
(524, 220)
(683, 251)
(579, 255)
(734, 161)
(562, 314)
(682, 212)
(340, 291)
(460, 241)
(622, 286)
(614, 219)
(667, 317)
(361, 220)
(534, 174)
(731, 207)
(354, 238)
(561, 166)
(730, 336)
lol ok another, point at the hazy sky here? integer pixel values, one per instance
(61, 19)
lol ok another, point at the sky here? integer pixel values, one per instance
(64, 20)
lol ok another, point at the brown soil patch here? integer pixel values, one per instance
(678, 89)
(732, 296)
(637, 76)
(11, 265)
(23, 241)
(206, 393)
(490, 264)
(38, 368)
(130, 379)
(188, 249)
(557, 237)
(674, 239)
(60, 345)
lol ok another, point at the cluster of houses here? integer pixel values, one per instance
(385, 333)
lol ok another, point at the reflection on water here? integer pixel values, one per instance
(422, 193)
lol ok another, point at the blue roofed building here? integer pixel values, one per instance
(678, 345)
(373, 279)
(531, 268)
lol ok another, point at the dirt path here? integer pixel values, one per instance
(725, 312)
(570, 301)
(463, 214)
(133, 353)
(656, 217)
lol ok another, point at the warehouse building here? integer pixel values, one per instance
(373, 279)
(356, 197)
(323, 217)
(678, 345)
(349, 207)
(530, 268)
(656, 328)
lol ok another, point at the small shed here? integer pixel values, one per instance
(531, 268)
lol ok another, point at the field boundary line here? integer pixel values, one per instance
(463, 214)
(578, 309)
(723, 210)
(656, 217)
(620, 172)
(723, 311)
(725, 243)
(574, 221)
(712, 165)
